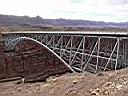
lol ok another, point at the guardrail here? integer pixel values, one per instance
(72, 32)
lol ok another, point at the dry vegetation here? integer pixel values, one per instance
(55, 28)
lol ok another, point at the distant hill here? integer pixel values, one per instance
(10, 20)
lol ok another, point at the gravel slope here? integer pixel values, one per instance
(113, 83)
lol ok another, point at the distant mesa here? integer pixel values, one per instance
(11, 20)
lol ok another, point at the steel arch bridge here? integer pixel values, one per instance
(80, 52)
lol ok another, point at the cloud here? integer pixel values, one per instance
(118, 2)
(76, 1)
(99, 10)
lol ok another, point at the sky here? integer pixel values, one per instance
(96, 10)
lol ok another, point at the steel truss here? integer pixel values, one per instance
(81, 52)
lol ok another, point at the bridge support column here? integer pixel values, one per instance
(125, 45)
(118, 46)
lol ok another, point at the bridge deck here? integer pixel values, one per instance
(75, 32)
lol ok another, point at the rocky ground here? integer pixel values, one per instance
(112, 83)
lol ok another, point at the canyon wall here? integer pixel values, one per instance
(31, 61)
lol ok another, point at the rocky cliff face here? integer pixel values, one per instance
(32, 61)
(2, 56)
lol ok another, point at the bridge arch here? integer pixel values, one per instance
(19, 39)
(60, 63)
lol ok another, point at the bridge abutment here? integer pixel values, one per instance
(2, 57)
